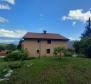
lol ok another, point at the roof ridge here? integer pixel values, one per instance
(37, 35)
(42, 33)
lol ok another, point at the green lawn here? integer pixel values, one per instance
(52, 71)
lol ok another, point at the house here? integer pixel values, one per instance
(43, 44)
(3, 53)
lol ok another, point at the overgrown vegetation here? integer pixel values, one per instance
(61, 52)
(69, 52)
(17, 55)
(51, 70)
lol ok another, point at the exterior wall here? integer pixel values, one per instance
(32, 46)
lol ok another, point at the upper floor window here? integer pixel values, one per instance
(49, 41)
(38, 41)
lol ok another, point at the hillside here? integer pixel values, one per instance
(52, 71)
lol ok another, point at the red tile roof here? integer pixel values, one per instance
(54, 36)
(3, 53)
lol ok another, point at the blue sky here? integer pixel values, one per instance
(66, 17)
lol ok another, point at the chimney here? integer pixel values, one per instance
(44, 31)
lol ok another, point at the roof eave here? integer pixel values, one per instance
(44, 39)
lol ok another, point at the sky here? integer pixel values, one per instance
(65, 17)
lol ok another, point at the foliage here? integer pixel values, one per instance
(20, 44)
(59, 51)
(87, 32)
(84, 45)
(17, 55)
(2, 48)
(69, 52)
(51, 70)
(9, 47)
(15, 65)
(76, 46)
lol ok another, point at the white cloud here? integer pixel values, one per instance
(3, 20)
(10, 1)
(5, 6)
(12, 34)
(73, 23)
(8, 41)
(72, 38)
(77, 15)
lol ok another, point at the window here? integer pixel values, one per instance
(38, 51)
(48, 51)
(38, 41)
(49, 41)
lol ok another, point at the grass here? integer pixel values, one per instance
(52, 71)
(1, 59)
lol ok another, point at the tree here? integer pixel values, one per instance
(76, 46)
(2, 48)
(10, 47)
(87, 32)
(59, 51)
(84, 45)
(20, 44)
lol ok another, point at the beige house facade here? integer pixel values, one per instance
(43, 44)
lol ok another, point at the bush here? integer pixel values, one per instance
(69, 52)
(81, 55)
(30, 58)
(59, 51)
(17, 55)
(15, 65)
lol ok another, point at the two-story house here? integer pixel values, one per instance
(43, 44)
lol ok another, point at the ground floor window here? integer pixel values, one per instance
(48, 51)
(38, 51)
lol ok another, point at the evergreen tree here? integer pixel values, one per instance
(20, 44)
(87, 32)
(84, 45)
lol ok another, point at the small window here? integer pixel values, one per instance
(49, 41)
(38, 51)
(38, 41)
(48, 51)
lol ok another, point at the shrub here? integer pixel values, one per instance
(15, 65)
(16, 55)
(69, 52)
(59, 51)
(30, 58)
